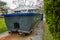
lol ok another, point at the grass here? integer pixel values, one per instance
(2, 25)
(47, 35)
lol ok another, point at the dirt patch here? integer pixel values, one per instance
(13, 37)
(5, 38)
(16, 36)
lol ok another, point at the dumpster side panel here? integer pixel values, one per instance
(36, 18)
(20, 22)
(25, 23)
(10, 22)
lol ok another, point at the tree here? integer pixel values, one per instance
(2, 7)
(2, 3)
(52, 14)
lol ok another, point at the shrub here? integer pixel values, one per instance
(52, 14)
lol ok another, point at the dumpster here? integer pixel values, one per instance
(21, 21)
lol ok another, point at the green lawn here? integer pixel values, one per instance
(2, 25)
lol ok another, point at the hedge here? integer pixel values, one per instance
(52, 15)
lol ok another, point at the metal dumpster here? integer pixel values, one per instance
(22, 21)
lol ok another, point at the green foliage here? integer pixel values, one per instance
(3, 10)
(52, 14)
(2, 3)
(2, 7)
(47, 35)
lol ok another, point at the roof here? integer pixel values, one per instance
(21, 14)
(25, 8)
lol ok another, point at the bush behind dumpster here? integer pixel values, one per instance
(52, 14)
